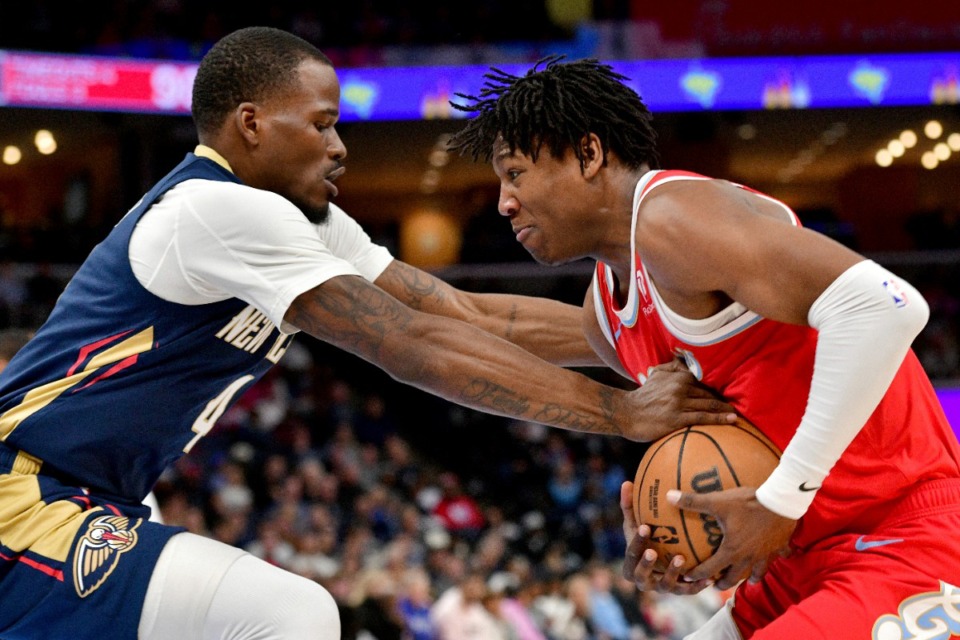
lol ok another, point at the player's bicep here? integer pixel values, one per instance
(785, 272)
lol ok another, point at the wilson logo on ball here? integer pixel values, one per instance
(698, 459)
(708, 482)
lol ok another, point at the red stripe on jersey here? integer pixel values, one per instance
(50, 571)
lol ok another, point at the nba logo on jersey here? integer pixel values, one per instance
(899, 297)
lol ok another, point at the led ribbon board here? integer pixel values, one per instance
(415, 93)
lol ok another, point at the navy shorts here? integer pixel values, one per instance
(71, 565)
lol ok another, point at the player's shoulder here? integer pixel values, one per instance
(665, 184)
(668, 192)
(204, 193)
(228, 209)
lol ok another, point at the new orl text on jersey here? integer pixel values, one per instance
(249, 329)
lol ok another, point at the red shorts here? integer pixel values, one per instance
(898, 581)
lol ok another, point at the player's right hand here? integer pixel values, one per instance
(753, 536)
(672, 398)
(640, 559)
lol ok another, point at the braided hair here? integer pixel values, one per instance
(556, 106)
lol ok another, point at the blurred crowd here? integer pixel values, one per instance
(359, 33)
(348, 31)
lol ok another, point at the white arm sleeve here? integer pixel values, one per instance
(867, 319)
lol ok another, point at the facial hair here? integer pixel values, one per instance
(316, 215)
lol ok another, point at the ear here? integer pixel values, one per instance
(246, 118)
(592, 152)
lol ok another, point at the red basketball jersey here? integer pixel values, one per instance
(763, 368)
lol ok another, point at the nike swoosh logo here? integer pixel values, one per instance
(803, 487)
(863, 545)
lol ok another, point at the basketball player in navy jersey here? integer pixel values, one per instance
(854, 533)
(195, 293)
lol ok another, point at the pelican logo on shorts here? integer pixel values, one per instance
(934, 615)
(99, 549)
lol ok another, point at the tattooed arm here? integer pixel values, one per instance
(464, 364)
(547, 328)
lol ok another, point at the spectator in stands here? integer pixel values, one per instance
(606, 613)
(459, 613)
(371, 610)
(516, 618)
(415, 599)
(458, 511)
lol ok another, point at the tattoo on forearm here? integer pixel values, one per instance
(355, 318)
(608, 402)
(489, 394)
(511, 321)
(560, 416)
(565, 418)
(420, 286)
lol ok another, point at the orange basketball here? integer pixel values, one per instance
(698, 459)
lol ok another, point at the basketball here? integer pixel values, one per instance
(699, 459)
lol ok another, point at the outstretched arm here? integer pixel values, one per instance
(458, 361)
(466, 365)
(547, 328)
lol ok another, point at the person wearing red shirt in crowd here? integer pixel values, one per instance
(459, 513)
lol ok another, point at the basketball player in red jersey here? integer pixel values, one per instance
(853, 535)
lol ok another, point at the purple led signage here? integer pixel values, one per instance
(414, 93)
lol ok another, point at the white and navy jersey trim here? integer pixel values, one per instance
(697, 332)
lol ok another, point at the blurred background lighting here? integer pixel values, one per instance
(933, 129)
(12, 154)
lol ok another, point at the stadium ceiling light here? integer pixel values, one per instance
(909, 138)
(933, 129)
(12, 155)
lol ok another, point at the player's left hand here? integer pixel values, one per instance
(640, 561)
(753, 536)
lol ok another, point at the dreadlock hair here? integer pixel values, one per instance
(557, 106)
(247, 65)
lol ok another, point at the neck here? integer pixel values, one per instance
(615, 250)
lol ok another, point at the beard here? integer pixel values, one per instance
(316, 215)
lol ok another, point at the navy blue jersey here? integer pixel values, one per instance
(118, 383)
